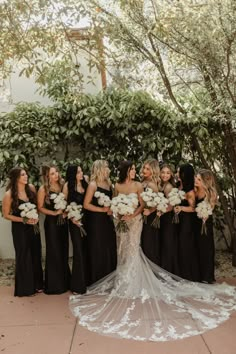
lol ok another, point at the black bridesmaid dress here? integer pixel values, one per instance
(205, 248)
(28, 268)
(79, 276)
(57, 271)
(187, 245)
(151, 240)
(101, 238)
(169, 243)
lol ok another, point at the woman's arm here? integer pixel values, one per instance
(65, 190)
(6, 210)
(41, 200)
(190, 196)
(92, 187)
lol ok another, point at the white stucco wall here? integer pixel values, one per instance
(25, 89)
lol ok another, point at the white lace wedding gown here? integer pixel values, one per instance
(142, 301)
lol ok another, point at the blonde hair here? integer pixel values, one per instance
(209, 186)
(45, 169)
(171, 169)
(155, 170)
(98, 171)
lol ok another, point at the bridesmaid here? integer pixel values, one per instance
(27, 243)
(57, 272)
(205, 189)
(169, 245)
(74, 190)
(101, 236)
(150, 238)
(188, 262)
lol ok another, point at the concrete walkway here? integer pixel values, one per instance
(43, 324)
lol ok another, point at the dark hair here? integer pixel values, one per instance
(71, 179)
(14, 175)
(186, 174)
(123, 168)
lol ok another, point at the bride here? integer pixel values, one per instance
(140, 300)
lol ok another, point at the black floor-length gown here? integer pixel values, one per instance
(205, 248)
(187, 246)
(79, 275)
(102, 257)
(28, 268)
(57, 272)
(169, 243)
(151, 240)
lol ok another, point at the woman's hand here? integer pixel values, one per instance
(32, 221)
(169, 208)
(127, 217)
(58, 212)
(106, 209)
(109, 212)
(146, 212)
(177, 209)
(76, 222)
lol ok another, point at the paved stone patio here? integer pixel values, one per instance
(43, 324)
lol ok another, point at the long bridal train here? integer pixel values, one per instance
(141, 301)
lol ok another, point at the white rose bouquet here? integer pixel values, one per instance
(75, 212)
(175, 197)
(154, 200)
(59, 203)
(123, 204)
(148, 196)
(103, 199)
(29, 211)
(161, 206)
(204, 210)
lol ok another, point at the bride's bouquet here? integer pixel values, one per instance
(103, 199)
(29, 211)
(59, 203)
(154, 200)
(123, 204)
(75, 212)
(175, 197)
(204, 210)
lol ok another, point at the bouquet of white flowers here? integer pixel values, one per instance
(29, 211)
(154, 200)
(204, 210)
(75, 212)
(175, 197)
(103, 199)
(148, 196)
(59, 203)
(123, 204)
(161, 205)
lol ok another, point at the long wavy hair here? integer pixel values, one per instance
(45, 169)
(172, 178)
(14, 176)
(123, 170)
(72, 182)
(155, 170)
(209, 186)
(98, 171)
(186, 174)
